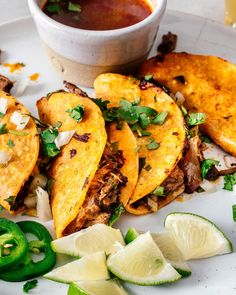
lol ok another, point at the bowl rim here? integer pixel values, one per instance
(156, 14)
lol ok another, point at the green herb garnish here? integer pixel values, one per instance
(184, 111)
(116, 215)
(10, 200)
(207, 165)
(1, 115)
(136, 101)
(53, 8)
(30, 285)
(10, 143)
(159, 191)
(205, 139)
(74, 7)
(229, 181)
(234, 212)
(194, 119)
(76, 113)
(48, 137)
(152, 145)
(148, 77)
(3, 129)
(160, 118)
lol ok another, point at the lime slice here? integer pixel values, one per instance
(89, 267)
(195, 236)
(131, 235)
(111, 287)
(169, 250)
(171, 253)
(98, 237)
(142, 263)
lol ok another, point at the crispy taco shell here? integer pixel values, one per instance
(208, 84)
(171, 135)
(72, 175)
(23, 153)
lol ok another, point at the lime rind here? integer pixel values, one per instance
(90, 267)
(196, 236)
(98, 237)
(149, 268)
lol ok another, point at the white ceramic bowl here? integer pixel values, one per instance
(81, 55)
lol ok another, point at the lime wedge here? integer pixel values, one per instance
(195, 236)
(89, 267)
(142, 263)
(111, 287)
(171, 253)
(131, 235)
(98, 237)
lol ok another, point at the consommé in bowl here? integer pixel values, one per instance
(81, 55)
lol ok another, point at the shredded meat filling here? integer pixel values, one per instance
(5, 84)
(103, 194)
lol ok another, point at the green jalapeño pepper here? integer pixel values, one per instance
(29, 269)
(13, 244)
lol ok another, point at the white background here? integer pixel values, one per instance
(213, 9)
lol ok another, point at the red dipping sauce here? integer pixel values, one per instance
(98, 14)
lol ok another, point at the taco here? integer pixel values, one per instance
(208, 85)
(160, 144)
(19, 149)
(86, 174)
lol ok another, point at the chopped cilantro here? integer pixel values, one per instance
(194, 119)
(74, 7)
(30, 285)
(3, 129)
(200, 189)
(229, 181)
(102, 104)
(159, 191)
(15, 132)
(234, 212)
(1, 115)
(148, 77)
(136, 101)
(48, 137)
(10, 200)
(207, 165)
(76, 113)
(152, 145)
(205, 139)
(160, 118)
(184, 111)
(53, 8)
(10, 143)
(119, 210)
(144, 121)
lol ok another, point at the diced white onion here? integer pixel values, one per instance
(4, 157)
(20, 86)
(63, 138)
(43, 205)
(152, 204)
(3, 105)
(208, 186)
(117, 246)
(229, 160)
(19, 120)
(30, 201)
(179, 98)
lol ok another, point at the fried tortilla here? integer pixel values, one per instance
(73, 175)
(159, 163)
(23, 149)
(208, 84)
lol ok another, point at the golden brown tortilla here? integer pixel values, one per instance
(24, 153)
(72, 176)
(171, 135)
(209, 86)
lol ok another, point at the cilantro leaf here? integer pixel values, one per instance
(148, 77)
(76, 113)
(205, 139)
(74, 7)
(3, 129)
(119, 210)
(229, 181)
(144, 121)
(194, 119)
(159, 191)
(48, 137)
(184, 111)
(10, 200)
(152, 145)
(160, 118)
(139, 130)
(53, 8)
(136, 101)
(1, 115)
(10, 143)
(102, 104)
(206, 166)
(234, 212)
(30, 285)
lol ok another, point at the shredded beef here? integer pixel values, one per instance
(173, 181)
(103, 194)
(74, 89)
(5, 84)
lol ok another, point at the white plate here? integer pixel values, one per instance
(210, 276)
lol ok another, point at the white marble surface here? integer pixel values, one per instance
(213, 9)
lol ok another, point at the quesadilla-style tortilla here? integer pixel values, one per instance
(160, 163)
(22, 147)
(86, 185)
(208, 84)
